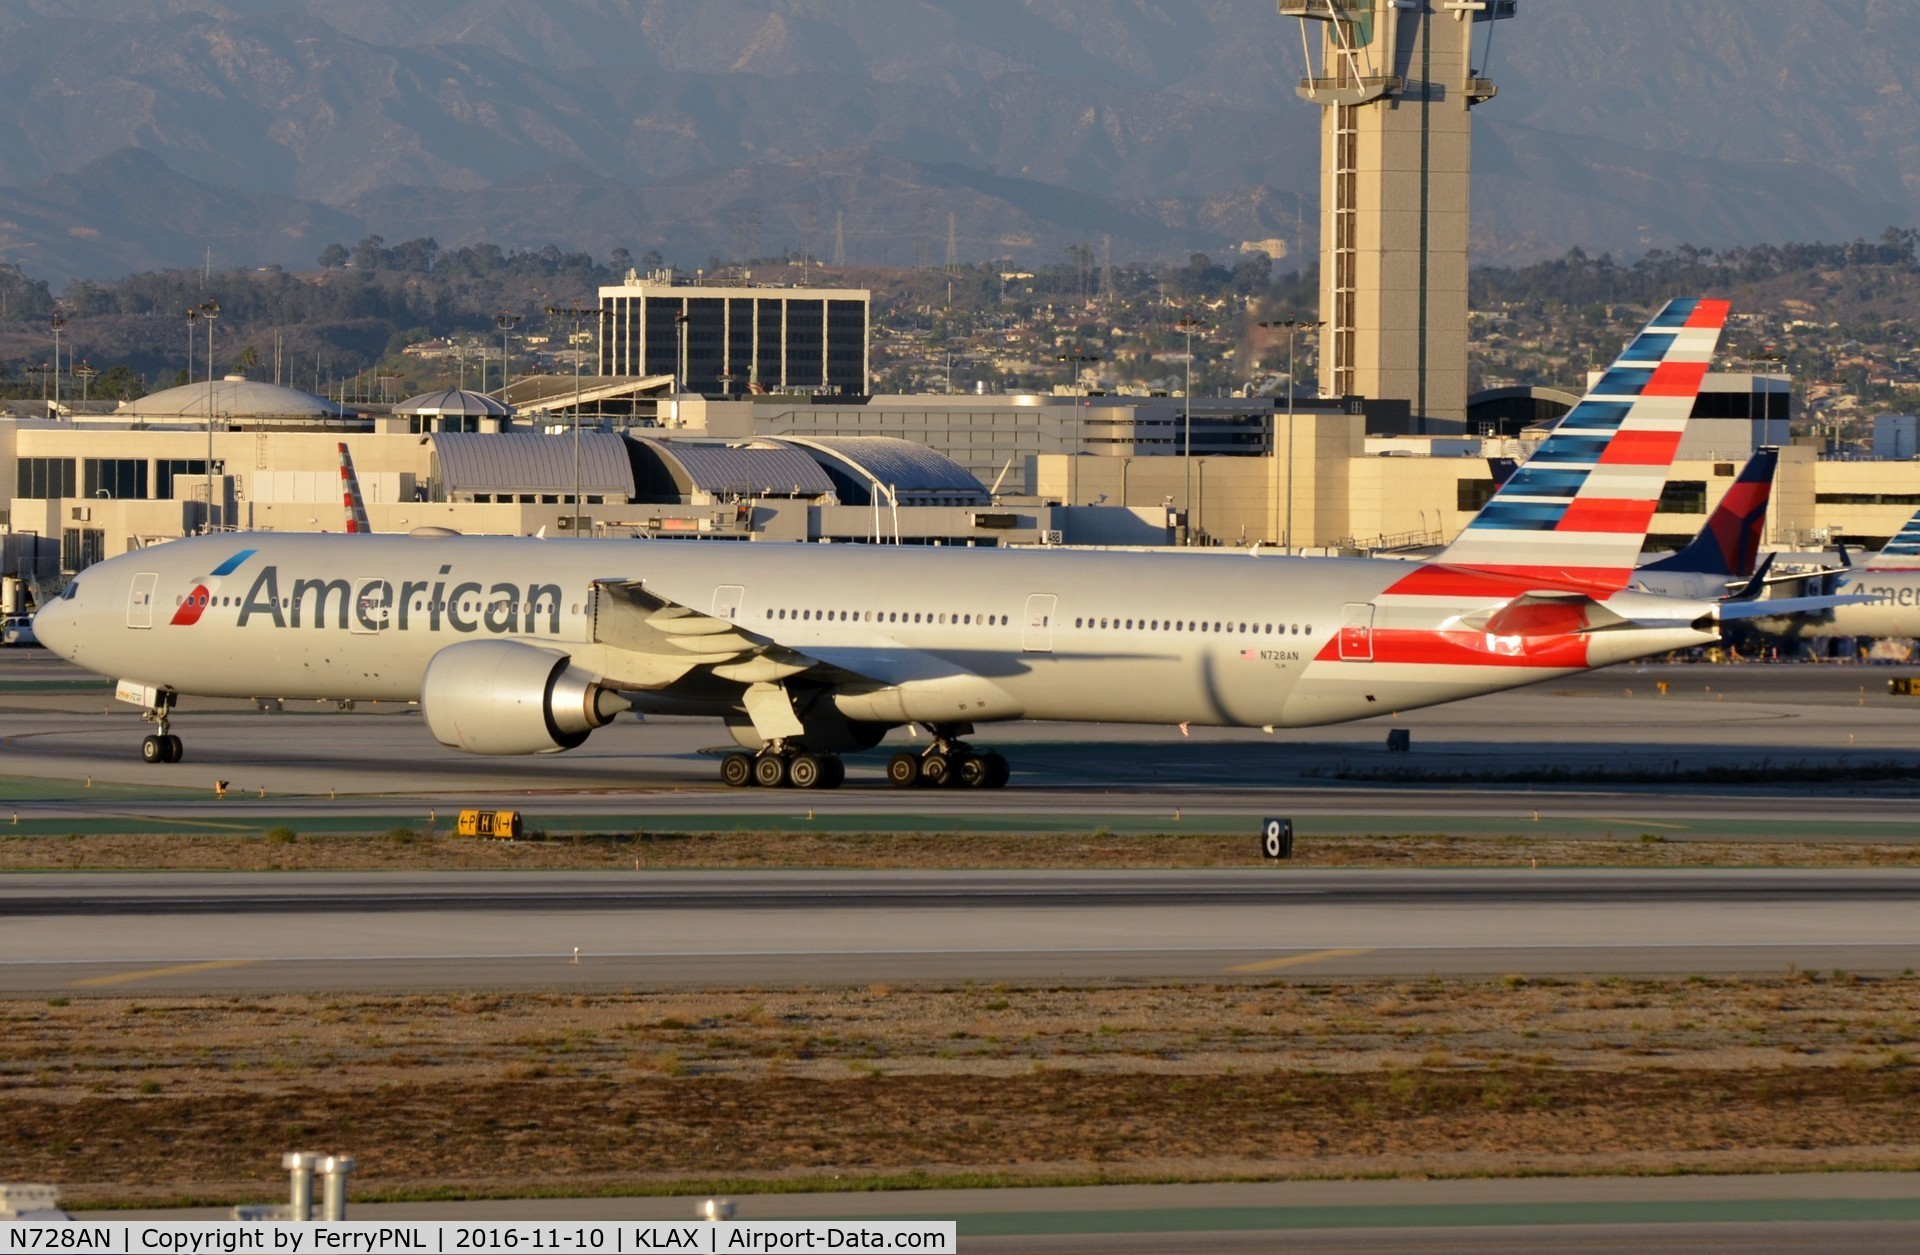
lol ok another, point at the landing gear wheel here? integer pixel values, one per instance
(903, 770)
(998, 772)
(176, 749)
(153, 749)
(834, 771)
(769, 771)
(936, 771)
(736, 770)
(975, 771)
(804, 771)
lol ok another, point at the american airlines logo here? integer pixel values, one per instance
(205, 587)
(375, 604)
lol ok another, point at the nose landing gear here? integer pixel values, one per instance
(161, 746)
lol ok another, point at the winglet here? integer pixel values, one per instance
(1580, 508)
(356, 505)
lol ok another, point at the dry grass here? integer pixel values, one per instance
(123, 1100)
(403, 850)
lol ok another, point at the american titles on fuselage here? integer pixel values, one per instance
(375, 604)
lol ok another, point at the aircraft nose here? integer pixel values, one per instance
(52, 628)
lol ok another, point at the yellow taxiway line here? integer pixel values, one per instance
(1298, 960)
(151, 973)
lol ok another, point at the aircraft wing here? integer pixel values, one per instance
(672, 640)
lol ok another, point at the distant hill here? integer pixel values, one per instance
(141, 133)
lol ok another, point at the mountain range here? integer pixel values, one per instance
(144, 133)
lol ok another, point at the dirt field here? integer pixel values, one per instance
(141, 1100)
(404, 849)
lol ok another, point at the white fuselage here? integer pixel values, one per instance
(1894, 610)
(1226, 639)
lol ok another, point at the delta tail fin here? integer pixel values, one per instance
(1729, 545)
(356, 505)
(1579, 509)
(1900, 553)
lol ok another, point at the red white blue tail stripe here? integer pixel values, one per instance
(350, 497)
(1579, 510)
(1902, 553)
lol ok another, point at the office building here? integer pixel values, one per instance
(726, 336)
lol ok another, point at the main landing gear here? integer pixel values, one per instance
(161, 746)
(780, 767)
(948, 761)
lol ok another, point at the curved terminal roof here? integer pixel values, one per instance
(454, 403)
(528, 462)
(234, 398)
(722, 468)
(916, 473)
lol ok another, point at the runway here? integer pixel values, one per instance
(1758, 752)
(197, 933)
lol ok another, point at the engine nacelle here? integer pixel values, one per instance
(502, 697)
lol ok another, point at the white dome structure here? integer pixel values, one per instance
(454, 403)
(234, 399)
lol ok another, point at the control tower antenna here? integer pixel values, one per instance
(1394, 81)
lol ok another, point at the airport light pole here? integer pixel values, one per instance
(57, 320)
(576, 316)
(1079, 362)
(209, 310)
(506, 320)
(1189, 324)
(1291, 326)
(85, 373)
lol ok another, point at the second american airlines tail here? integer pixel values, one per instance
(518, 645)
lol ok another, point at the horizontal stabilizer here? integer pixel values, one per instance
(1782, 607)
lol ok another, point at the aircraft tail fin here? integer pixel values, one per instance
(356, 505)
(1729, 544)
(1902, 552)
(1579, 509)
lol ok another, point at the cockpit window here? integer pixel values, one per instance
(72, 590)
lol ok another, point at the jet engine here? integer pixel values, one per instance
(502, 697)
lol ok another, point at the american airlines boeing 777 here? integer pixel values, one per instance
(522, 645)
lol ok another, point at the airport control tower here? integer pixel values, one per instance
(1394, 82)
